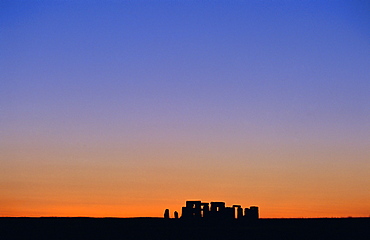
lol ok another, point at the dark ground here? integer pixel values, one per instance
(157, 228)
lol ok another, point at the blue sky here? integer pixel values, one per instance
(191, 78)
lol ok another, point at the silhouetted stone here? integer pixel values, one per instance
(217, 206)
(167, 213)
(239, 211)
(204, 209)
(251, 213)
(228, 213)
(246, 213)
(217, 211)
(192, 210)
(254, 212)
(176, 214)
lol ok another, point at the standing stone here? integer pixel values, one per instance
(167, 213)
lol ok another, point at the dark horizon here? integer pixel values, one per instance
(160, 228)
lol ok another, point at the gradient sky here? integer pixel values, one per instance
(125, 108)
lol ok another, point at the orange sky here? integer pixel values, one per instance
(66, 182)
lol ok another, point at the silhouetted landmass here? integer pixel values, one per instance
(161, 228)
(218, 211)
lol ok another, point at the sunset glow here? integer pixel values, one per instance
(126, 108)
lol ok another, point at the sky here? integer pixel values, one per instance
(126, 108)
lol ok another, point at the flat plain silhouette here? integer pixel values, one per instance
(160, 228)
